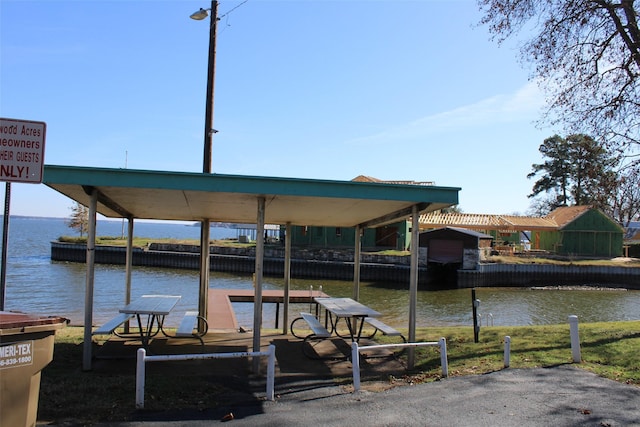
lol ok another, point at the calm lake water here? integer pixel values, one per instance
(35, 284)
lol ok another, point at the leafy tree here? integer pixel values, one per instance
(541, 206)
(593, 171)
(451, 209)
(625, 205)
(79, 219)
(577, 170)
(586, 57)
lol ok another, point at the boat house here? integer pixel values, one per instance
(451, 245)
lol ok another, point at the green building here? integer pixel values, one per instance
(393, 236)
(582, 231)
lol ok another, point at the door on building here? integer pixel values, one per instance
(446, 251)
(387, 236)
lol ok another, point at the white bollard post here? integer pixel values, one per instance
(443, 357)
(355, 364)
(271, 372)
(575, 339)
(507, 351)
(140, 373)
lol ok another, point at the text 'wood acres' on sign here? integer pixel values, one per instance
(21, 150)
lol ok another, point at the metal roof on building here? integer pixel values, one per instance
(632, 231)
(164, 195)
(465, 231)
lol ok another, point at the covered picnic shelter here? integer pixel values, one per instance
(185, 196)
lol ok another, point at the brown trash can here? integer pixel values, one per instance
(26, 347)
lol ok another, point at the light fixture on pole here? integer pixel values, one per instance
(200, 15)
(211, 72)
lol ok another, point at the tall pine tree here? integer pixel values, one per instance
(576, 171)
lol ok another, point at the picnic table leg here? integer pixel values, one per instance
(141, 330)
(150, 321)
(350, 326)
(359, 329)
(147, 333)
(329, 318)
(277, 314)
(160, 320)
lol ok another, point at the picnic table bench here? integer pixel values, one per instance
(309, 328)
(112, 325)
(186, 329)
(156, 308)
(379, 325)
(319, 331)
(188, 326)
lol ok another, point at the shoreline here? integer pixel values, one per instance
(577, 288)
(334, 264)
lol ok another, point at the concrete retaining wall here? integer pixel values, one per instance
(487, 275)
(338, 265)
(329, 265)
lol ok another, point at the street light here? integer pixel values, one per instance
(211, 72)
(200, 15)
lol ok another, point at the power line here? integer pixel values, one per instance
(225, 14)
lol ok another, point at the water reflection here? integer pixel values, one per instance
(508, 306)
(63, 293)
(38, 285)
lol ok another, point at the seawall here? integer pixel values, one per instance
(305, 263)
(491, 275)
(338, 265)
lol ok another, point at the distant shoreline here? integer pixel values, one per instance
(328, 264)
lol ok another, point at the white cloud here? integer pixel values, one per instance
(522, 105)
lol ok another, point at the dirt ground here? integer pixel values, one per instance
(322, 362)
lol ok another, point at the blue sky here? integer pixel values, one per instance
(331, 89)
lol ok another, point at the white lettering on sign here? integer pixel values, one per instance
(21, 150)
(16, 354)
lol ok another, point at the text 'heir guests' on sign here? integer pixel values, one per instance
(21, 150)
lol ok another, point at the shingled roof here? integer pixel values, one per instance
(485, 221)
(567, 214)
(555, 220)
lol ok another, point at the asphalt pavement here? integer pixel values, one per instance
(558, 396)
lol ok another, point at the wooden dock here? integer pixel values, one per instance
(222, 318)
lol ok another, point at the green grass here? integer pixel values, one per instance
(141, 242)
(611, 350)
(501, 259)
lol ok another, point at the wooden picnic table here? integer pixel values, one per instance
(349, 309)
(155, 308)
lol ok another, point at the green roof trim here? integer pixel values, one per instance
(191, 181)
